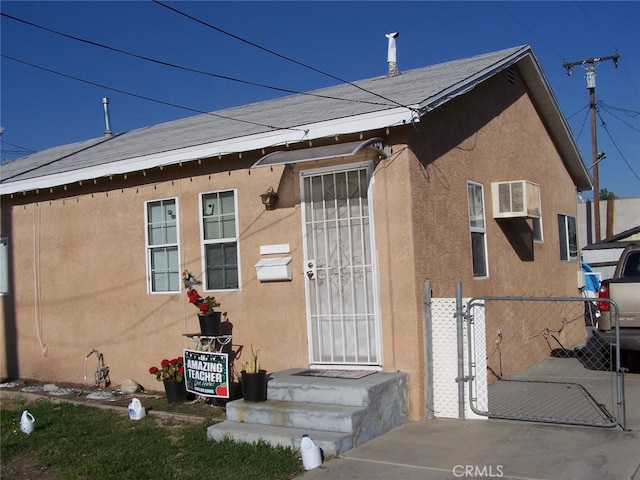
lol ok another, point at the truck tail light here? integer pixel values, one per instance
(604, 293)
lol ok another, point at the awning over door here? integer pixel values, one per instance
(321, 153)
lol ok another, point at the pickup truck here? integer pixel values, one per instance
(624, 290)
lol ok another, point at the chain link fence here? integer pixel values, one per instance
(541, 359)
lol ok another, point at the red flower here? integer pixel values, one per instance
(193, 296)
(170, 370)
(205, 305)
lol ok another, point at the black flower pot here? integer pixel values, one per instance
(176, 393)
(210, 324)
(254, 386)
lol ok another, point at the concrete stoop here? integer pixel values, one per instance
(338, 414)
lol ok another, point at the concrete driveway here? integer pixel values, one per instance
(450, 449)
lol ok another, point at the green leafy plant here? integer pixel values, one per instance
(169, 370)
(206, 305)
(252, 366)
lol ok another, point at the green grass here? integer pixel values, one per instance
(82, 442)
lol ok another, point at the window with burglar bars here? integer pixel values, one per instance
(568, 238)
(477, 224)
(163, 260)
(220, 240)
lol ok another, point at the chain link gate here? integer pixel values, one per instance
(540, 359)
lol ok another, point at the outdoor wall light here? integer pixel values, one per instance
(269, 199)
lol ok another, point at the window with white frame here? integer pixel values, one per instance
(163, 260)
(568, 238)
(4, 266)
(477, 225)
(220, 240)
(536, 227)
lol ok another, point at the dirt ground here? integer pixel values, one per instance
(155, 402)
(111, 397)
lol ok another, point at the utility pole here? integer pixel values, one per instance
(595, 157)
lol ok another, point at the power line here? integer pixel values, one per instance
(180, 67)
(279, 55)
(595, 24)
(604, 107)
(143, 97)
(21, 148)
(628, 112)
(604, 125)
(532, 32)
(584, 121)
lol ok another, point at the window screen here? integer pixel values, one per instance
(163, 265)
(220, 240)
(568, 238)
(475, 197)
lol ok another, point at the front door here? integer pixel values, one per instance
(339, 266)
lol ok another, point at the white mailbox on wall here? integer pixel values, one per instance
(274, 269)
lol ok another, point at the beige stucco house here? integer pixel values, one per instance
(382, 185)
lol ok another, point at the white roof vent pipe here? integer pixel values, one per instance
(107, 121)
(391, 54)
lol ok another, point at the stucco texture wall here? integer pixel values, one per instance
(490, 134)
(79, 275)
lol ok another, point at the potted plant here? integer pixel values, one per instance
(208, 317)
(254, 380)
(171, 373)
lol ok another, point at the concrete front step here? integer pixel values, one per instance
(331, 443)
(314, 416)
(286, 386)
(337, 413)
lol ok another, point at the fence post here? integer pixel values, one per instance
(460, 342)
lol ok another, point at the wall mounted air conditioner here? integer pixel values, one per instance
(516, 199)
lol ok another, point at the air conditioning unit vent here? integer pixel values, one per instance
(516, 199)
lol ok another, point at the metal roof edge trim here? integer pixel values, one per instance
(469, 83)
(341, 126)
(562, 123)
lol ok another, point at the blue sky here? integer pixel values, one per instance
(346, 40)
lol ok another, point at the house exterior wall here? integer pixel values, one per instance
(489, 136)
(492, 134)
(78, 254)
(79, 277)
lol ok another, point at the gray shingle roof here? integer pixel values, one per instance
(291, 118)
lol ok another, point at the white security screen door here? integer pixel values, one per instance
(340, 274)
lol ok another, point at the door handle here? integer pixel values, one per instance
(311, 270)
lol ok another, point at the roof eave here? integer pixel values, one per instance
(559, 129)
(543, 99)
(340, 126)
